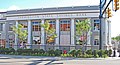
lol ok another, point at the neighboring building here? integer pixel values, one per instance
(2, 29)
(116, 48)
(63, 19)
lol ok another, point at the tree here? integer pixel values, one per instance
(22, 34)
(117, 38)
(113, 38)
(82, 29)
(50, 32)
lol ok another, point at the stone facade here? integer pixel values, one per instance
(62, 19)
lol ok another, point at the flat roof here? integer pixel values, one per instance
(2, 12)
(55, 9)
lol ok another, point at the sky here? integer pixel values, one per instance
(6, 5)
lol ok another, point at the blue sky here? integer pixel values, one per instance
(22, 4)
(29, 4)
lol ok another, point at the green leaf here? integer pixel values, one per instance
(22, 34)
(50, 32)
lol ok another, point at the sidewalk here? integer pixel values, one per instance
(56, 58)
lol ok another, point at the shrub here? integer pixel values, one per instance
(2, 50)
(105, 55)
(106, 52)
(89, 52)
(61, 55)
(101, 53)
(72, 52)
(78, 53)
(97, 56)
(58, 52)
(51, 52)
(35, 51)
(28, 51)
(65, 55)
(95, 53)
(41, 51)
(10, 51)
(87, 56)
(109, 52)
(6, 51)
(19, 51)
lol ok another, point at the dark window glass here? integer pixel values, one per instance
(1, 26)
(96, 25)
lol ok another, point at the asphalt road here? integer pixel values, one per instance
(35, 60)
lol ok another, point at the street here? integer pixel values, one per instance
(35, 60)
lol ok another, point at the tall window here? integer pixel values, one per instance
(11, 39)
(10, 26)
(36, 32)
(52, 25)
(65, 32)
(65, 27)
(1, 26)
(36, 26)
(96, 25)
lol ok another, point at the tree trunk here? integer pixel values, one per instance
(83, 45)
(86, 42)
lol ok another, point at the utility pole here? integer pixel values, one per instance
(102, 4)
(100, 17)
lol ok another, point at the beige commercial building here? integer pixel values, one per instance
(63, 19)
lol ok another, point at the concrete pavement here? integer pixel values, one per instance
(37, 60)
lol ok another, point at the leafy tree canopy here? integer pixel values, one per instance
(50, 32)
(22, 34)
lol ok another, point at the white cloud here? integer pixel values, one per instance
(13, 7)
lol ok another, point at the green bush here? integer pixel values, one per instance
(101, 53)
(72, 52)
(16, 53)
(35, 51)
(51, 52)
(41, 51)
(89, 52)
(95, 53)
(6, 50)
(109, 52)
(65, 55)
(97, 56)
(106, 52)
(62, 55)
(24, 51)
(87, 56)
(2, 50)
(45, 54)
(58, 52)
(19, 51)
(104, 56)
(28, 51)
(10, 50)
(78, 53)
